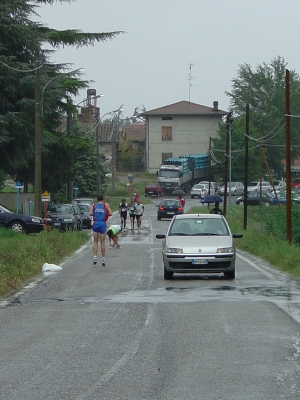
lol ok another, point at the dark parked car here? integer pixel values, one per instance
(87, 220)
(20, 223)
(63, 217)
(168, 208)
(84, 200)
(253, 199)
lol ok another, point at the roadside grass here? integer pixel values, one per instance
(261, 239)
(22, 256)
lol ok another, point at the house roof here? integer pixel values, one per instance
(136, 131)
(186, 108)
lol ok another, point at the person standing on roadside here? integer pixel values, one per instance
(139, 211)
(182, 200)
(132, 212)
(216, 209)
(100, 212)
(123, 208)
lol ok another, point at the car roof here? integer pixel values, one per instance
(194, 216)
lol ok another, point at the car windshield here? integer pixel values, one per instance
(253, 184)
(84, 207)
(59, 209)
(170, 203)
(198, 227)
(5, 209)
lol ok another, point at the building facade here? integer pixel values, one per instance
(178, 129)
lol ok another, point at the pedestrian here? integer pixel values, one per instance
(216, 190)
(182, 200)
(131, 207)
(123, 208)
(139, 211)
(136, 197)
(216, 209)
(203, 194)
(100, 212)
(112, 232)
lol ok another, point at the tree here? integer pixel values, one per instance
(19, 37)
(264, 90)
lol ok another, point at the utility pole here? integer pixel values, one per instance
(37, 138)
(97, 149)
(226, 163)
(113, 158)
(246, 166)
(288, 158)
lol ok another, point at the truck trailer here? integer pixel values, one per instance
(182, 172)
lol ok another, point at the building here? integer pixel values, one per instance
(178, 129)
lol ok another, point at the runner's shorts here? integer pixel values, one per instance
(124, 214)
(99, 226)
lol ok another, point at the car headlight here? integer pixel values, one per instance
(225, 250)
(36, 220)
(174, 250)
(68, 220)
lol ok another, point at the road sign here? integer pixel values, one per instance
(19, 185)
(46, 196)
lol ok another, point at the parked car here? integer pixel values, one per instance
(153, 190)
(168, 208)
(253, 199)
(63, 217)
(279, 199)
(20, 223)
(86, 219)
(266, 187)
(83, 200)
(198, 243)
(213, 185)
(237, 188)
(296, 183)
(279, 185)
(197, 189)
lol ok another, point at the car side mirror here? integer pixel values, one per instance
(237, 235)
(160, 236)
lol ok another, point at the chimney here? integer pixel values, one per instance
(216, 105)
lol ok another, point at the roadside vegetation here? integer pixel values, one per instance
(265, 235)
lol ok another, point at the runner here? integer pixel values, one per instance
(132, 212)
(100, 212)
(139, 211)
(123, 207)
(112, 232)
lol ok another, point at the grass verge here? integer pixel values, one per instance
(22, 256)
(278, 252)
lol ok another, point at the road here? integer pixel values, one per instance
(122, 332)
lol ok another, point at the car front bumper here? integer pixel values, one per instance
(193, 263)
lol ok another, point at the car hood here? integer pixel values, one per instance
(192, 244)
(59, 215)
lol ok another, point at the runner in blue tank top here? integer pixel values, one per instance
(100, 212)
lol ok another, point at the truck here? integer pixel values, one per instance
(182, 172)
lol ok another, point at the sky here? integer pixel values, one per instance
(167, 41)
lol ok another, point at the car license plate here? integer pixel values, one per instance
(56, 224)
(170, 213)
(199, 261)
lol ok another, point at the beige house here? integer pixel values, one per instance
(179, 129)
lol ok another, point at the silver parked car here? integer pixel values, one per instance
(266, 187)
(198, 243)
(236, 188)
(279, 185)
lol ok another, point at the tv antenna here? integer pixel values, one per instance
(190, 78)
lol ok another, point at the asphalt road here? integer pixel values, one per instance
(122, 332)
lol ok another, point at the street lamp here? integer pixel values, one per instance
(56, 77)
(38, 137)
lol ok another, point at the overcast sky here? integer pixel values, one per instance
(149, 64)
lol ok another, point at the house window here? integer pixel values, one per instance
(166, 133)
(167, 118)
(165, 156)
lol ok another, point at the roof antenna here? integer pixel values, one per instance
(190, 79)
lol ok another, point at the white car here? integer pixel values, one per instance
(237, 188)
(254, 187)
(198, 190)
(279, 185)
(198, 243)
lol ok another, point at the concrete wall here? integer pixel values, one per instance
(190, 135)
(9, 200)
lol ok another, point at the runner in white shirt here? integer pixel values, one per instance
(139, 211)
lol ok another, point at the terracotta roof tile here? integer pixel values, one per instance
(136, 131)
